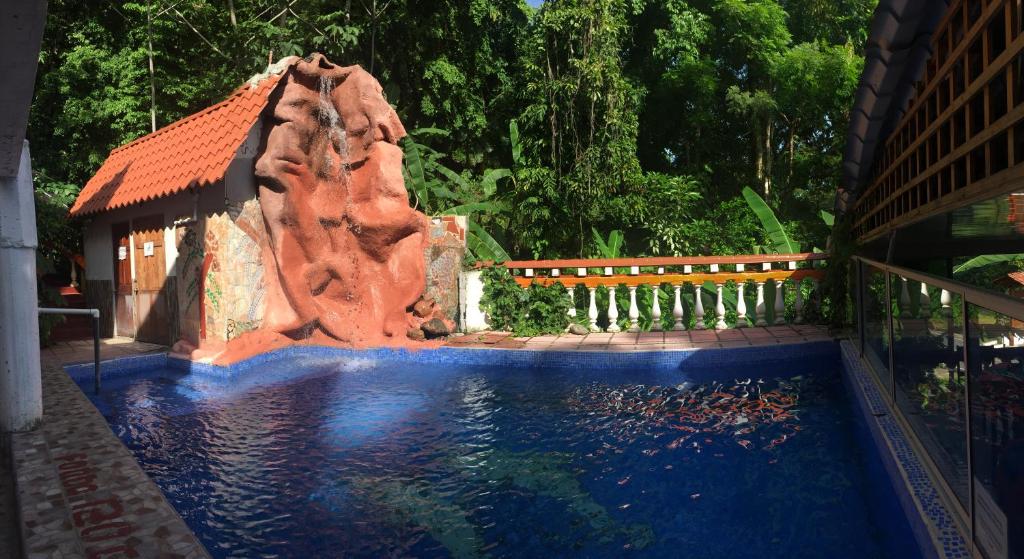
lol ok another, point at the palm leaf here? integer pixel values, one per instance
(490, 181)
(483, 246)
(452, 176)
(466, 209)
(428, 131)
(615, 242)
(777, 234)
(986, 260)
(417, 182)
(828, 218)
(517, 148)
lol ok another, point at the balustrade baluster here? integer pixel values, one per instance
(613, 311)
(945, 299)
(719, 309)
(677, 309)
(798, 302)
(698, 307)
(780, 302)
(592, 311)
(655, 308)
(904, 299)
(759, 310)
(741, 305)
(924, 307)
(634, 312)
(572, 303)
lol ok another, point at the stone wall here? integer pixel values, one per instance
(446, 249)
(220, 287)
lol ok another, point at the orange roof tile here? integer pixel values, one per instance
(195, 150)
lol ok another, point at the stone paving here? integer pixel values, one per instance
(80, 492)
(649, 341)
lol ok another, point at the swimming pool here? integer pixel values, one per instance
(310, 456)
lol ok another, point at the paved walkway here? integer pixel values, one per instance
(649, 341)
(80, 491)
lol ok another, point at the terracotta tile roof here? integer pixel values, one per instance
(1017, 277)
(195, 150)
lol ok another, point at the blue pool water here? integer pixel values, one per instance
(309, 457)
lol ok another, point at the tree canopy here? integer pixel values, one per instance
(646, 116)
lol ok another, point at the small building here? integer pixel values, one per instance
(179, 245)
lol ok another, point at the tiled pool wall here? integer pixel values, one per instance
(521, 358)
(933, 525)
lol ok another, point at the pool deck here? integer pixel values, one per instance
(649, 341)
(78, 490)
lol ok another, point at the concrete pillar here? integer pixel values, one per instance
(21, 402)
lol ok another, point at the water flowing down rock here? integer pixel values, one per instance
(342, 248)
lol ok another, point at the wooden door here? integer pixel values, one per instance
(124, 300)
(151, 312)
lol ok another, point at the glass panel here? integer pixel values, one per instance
(997, 430)
(930, 375)
(876, 324)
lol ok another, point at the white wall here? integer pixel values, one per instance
(471, 289)
(239, 185)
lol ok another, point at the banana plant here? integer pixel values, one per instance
(438, 190)
(986, 260)
(781, 240)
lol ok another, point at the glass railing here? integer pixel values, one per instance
(951, 358)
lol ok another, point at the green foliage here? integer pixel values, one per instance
(540, 124)
(526, 312)
(612, 248)
(986, 260)
(781, 243)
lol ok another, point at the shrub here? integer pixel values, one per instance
(532, 311)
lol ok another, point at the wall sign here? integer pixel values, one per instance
(122, 252)
(147, 248)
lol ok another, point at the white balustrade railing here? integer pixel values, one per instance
(725, 281)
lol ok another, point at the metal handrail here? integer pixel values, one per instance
(1003, 304)
(95, 314)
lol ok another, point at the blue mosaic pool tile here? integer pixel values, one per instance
(121, 366)
(530, 358)
(933, 524)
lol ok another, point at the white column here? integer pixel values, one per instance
(780, 302)
(634, 312)
(698, 307)
(741, 306)
(925, 303)
(592, 311)
(613, 311)
(572, 303)
(655, 309)
(945, 299)
(719, 309)
(677, 309)
(798, 304)
(759, 309)
(904, 298)
(21, 401)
